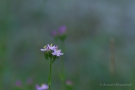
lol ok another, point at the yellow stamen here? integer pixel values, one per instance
(45, 46)
(51, 45)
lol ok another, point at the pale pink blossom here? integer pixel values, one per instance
(57, 53)
(62, 30)
(42, 87)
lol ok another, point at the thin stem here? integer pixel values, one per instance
(63, 61)
(49, 81)
(63, 66)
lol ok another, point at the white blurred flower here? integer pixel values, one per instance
(43, 87)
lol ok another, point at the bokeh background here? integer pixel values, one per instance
(94, 27)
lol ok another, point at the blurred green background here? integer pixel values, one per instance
(26, 26)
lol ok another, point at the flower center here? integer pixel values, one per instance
(44, 46)
(51, 45)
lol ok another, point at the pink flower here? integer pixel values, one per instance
(43, 87)
(62, 30)
(51, 47)
(51, 51)
(45, 48)
(57, 53)
(48, 47)
(18, 83)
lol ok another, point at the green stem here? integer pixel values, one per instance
(49, 81)
(63, 45)
(63, 59)
(63, 67)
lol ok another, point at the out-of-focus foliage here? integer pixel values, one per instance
(26, 25)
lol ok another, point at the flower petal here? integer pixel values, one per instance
(42, 50)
